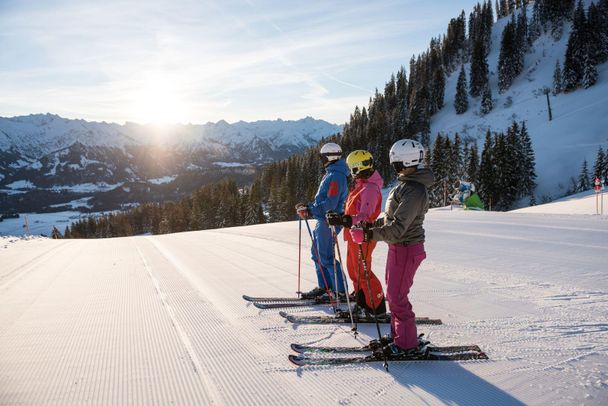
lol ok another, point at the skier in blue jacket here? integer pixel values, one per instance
(330, 197)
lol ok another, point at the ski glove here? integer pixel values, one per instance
(302, 211)
(360, 234)
(335, 219)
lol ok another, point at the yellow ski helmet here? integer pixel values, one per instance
(359, 160)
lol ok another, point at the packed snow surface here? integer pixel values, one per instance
(587, 202)
(160, 319)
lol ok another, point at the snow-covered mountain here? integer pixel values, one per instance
(580, 118)
(47, 160)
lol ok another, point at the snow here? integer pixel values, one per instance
(84, 202)
(580, 203)
(164, 179)
(229, 164)
(21, 184)
(579, 118)
(20, 163)
(160, 319)
(87, 187)
(39, 223)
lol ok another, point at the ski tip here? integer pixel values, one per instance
(260, 305)
(247, 298)
(296, 347)
(296, 359)
(283, 313)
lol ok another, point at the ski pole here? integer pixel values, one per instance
(353, 323)
(363, 260)
(314, 246)
(299, 292)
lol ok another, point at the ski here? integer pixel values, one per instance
(278, 302)
(271, 299)
(301, 303)
(302, 360)
(343, 317)
(302, 348)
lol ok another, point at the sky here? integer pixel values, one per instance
(195, 61)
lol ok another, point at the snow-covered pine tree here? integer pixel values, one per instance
(479, 69)
(486, 100)
(461, 101)
(557, 78)
(583, 178)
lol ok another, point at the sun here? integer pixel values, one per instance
(157, 101)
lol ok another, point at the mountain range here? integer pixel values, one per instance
(50, 163)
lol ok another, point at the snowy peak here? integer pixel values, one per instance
(47, 160)
(40, 134)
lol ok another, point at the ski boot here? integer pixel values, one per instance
(313, 294)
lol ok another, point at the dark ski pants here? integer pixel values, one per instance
(401, 265)
(323, 241)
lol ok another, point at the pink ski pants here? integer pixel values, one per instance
(401, 265)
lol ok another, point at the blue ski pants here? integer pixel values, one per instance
(323, 242)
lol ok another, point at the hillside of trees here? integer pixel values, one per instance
(503, 168)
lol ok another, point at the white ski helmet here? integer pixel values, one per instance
(407, 152)
(330, 152)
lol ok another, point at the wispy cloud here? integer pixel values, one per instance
(206, 60)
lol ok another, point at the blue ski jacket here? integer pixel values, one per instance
(332, 192)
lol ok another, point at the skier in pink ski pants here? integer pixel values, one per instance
(402, 229)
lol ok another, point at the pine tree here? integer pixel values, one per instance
(601, 161)
(574, 62)
(479, 69)
(557, 79)
(506, 60)
(528, 175)
(597, 34)
(486, 100)
(589, 72)
(472, 165)
(461, 102)
(457, 154)
(487, 178)
(438, 95)
(583, 178)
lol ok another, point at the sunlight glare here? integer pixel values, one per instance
(157, 102)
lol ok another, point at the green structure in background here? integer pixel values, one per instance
(473, 202)
(465, 196)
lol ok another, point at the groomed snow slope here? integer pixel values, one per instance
(160, 320)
